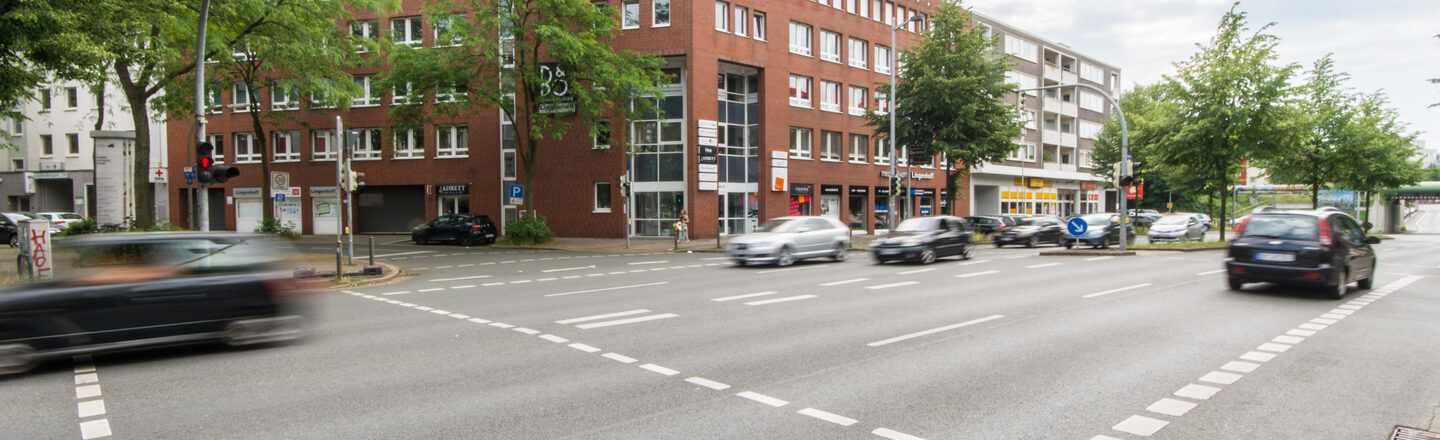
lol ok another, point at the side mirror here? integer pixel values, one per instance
(1372, 240)
(1367, 226)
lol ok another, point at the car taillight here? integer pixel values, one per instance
(1325, 239)
(477, 226)
(1240, 227)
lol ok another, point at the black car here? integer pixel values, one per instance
(1031, 231)
(124, 291)
(1101, 231)
(987, 224)
(1324, 248)
(923, 239)
(10, 228)
(466, 229)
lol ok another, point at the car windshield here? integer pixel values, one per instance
(1096, 219)
(919, 225)
(1289, 227)
(17, 217)
(780, 225)
(106, 259)
(1032, 222)
(1173, 220)
(71, 216)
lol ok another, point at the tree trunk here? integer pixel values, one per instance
(144, 193)
(268, 206)
(1224, 194)
(1315, 195)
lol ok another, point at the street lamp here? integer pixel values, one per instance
(894, 106)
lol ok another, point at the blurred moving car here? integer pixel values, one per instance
(59, 220)
(1324, 248)
(988, 224)
(923, 239)
(10, 227)
(1176, 227)
(1102, 230)
(1031, 231)
(786, 240)
(465, 229)
(1204, 220)
(123, 291)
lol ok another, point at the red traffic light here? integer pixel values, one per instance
(206, 162)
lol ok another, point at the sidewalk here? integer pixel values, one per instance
(637, 244)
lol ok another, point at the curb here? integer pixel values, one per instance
(1217, 248)
(1086, 253)
(395, 271)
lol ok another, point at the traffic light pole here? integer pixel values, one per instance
(339, 186)
(204, 211)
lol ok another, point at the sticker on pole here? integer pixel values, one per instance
(1076, 226)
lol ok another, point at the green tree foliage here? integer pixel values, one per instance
(493, 59)
(1322, 114)
(1382, 154)
(42, 41)
(948, 97)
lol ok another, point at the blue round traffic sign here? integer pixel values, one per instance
(1076, 226)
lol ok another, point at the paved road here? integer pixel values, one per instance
(484, 343)
(1427, 221)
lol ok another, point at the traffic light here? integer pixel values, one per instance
(895, 185)
(624, 186)
(1135, 172)
(206, 170)
(352, 180)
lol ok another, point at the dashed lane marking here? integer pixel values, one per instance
(403, 253)
(887, 286)
(788, 269)
(1210, 272)
(1037, 266)
(625, 321)
(475, 277)
(828, 416)
(1171, 407)
(606, 289)
(1140, 425)
(895, 435)
(748, 295)
(976, 274)
(1122, 289)
(707, 383)
(637, 263)
(910, 272)
(779, 300)
(659, 369)
(1098, 258)
(567, 269)
(934, 330)
(837, 283)
(617, 357)
(967, 263)
(604, 316)
(763, 398)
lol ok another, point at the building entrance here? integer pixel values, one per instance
(740, 212)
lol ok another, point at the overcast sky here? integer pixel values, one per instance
(1382, 44)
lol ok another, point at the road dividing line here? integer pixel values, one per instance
(659, 369)
(779, 300)
(625, 321)
(565, 269)
(1211, 272)
(909, 272)
(1140, 425)
(837, 283)
(935, 330)
(619, 358)
(973, 262)
(976, 274)
(1037, 266)
(637, 263)
(402, 292)
(467, 286)
(893, 434)
(606, 289)
(1220, 377)
(829, 417)
(436, 289)
(763, 399)
(748, 295)
(707, 383)
(87, 385)
(476, 277)
(525, 330)
(1122, 289)
(403, 253)
(1171, 407)
(887, 286)
(788, 269)
(1098, 258)
(1198, 392)
(583, 347)
(553, 338)
(599, 317)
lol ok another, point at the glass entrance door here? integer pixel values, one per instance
(741, 212)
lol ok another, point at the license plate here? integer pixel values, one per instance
(489, 235)
(1270, 256)
(888, 251)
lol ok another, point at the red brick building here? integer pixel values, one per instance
(763, 120)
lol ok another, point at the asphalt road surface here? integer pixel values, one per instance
(493, 344)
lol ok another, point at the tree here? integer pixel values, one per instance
(1323, 115)
(1229, 105)
(546, 64)
(948, 97)
(41, 42)
(1382, 153)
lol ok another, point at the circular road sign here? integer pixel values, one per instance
(1076, 226)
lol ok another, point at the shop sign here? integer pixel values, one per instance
(708, 151)
(912, 174)
(555, 94)
(922, 192)
(709, 177)
(709, 186)
(882, 191)
(709, 168)
(1087, 186)
(709, 142)
(458, 189)
(859, 190)
(779, 163)
(778, 176)
(830, 189)
(707, 132)
(709, 160)
(706, 123)
(324, 191)
(802, 189)
(246, 192)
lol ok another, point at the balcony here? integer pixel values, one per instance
(1068, 139)
(1052, 105)
(1069, 77)
(1066, 109)
(1052, 72)
(1051, 137)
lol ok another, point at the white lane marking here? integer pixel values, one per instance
(547, 279)
(625, 321)
(440, 312)
(829, 417)
(1258, 356)
(584, 348)
(476, 277)
(567, 269)
(637, 263)
(91, 408)
(1037, 266)
(748, 295)
(467, 286)
(619, 358)
(606, 289)
(1240, 367)
(1018, 257)
(571, 277)
(1122, 289)
(519, 281)
(607, 315)
(82, 379)
(1333, 316)
(1350, 306)
(443, 267)
(406, 305)
(403, 253)
(1324, 321)
(95, 429)
(528, 331)
(1171, 407)
(613, 273)
(501, 325)
(715, 258)
(1140, 425)
(1220, 377)
(459, 316)
(1270, 346)
(431, 289)
(553, 338)
(763, 398)
(466, 265)
(479, 320)
(779, 300)
(788, 269)
(1200, 392)
(492, 284)
(638, 271)
(976, 274)
(837, 283)
(894, 435)
(1098, 258)
(87, 391)
(1343, 312)
(973, 262)
(935, 330)
(423, 308)
(659, 369)
(1288, 339)
(909, 272)
(1310, 326)
(707, 383)
(1210, 272)
(887, 286)
(402, 292)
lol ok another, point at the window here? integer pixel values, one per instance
(830, 96)
(799, 143)
(800, 38)
(602, 135)
(242, 97)
(722, 16)
(850, 5)
(1092, 73)
(799, 91)
(630, 14)
(443, 35)
(322, 146)
(47, 145)
(409, 143)
(602, 197)
(742, 16)
(366, 29)
(859, 49)
(18, 127)
(245, 151)
(72, 143)
(286, 146)
(218, 140)
(1020, 48)
(72, 98)
(864, 8)
(367, 143)
(858, 145)
(451, 141)
(660, 10)
(1092, 102)
(507, 165)
(1086, 160)
(214, 99)
(882, 59)
(890, 14)
(1090, 130)
(1028, 117)
(45, 100)
(1022, 81)
(403, 95)
(1023, 152)
(831, 143)
(284, 96)
(406, 30)
(829, 46)
(368, 96)
(449, 94)
(882, 151)
(759, 19)
(882, 103)
(17, 164)
(876, 7)
(858, 99)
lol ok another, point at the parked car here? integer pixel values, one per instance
(10, 227)
(1204, 220)
(924, 239)
(1102, 230)
(987, 224)
(465, 229)
(1177, 227)
(785, 240)
(60, 220)
(124, 291)
(1031, 231)
(1324, 248)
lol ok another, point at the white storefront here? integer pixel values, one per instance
(1001, 189)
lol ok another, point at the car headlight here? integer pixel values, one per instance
(911, 242)
(1024, 233)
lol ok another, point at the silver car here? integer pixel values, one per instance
(785, 240)
(1177, 227)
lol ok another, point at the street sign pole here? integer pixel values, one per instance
(204, 211)
(339, 186)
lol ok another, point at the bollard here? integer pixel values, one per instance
(372, 251)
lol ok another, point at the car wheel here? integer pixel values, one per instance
(927, 256)
(1104, 244)
(967, 252)
(740, 263)
(1337, 290)
(17, 358)
(15, 240)
(785, 258)
(998, 245)
(467, 241)
(1069, 245)
(1033, 242)
(1369, 281)
(418, 240)
(839, 252)
(1235, 283)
